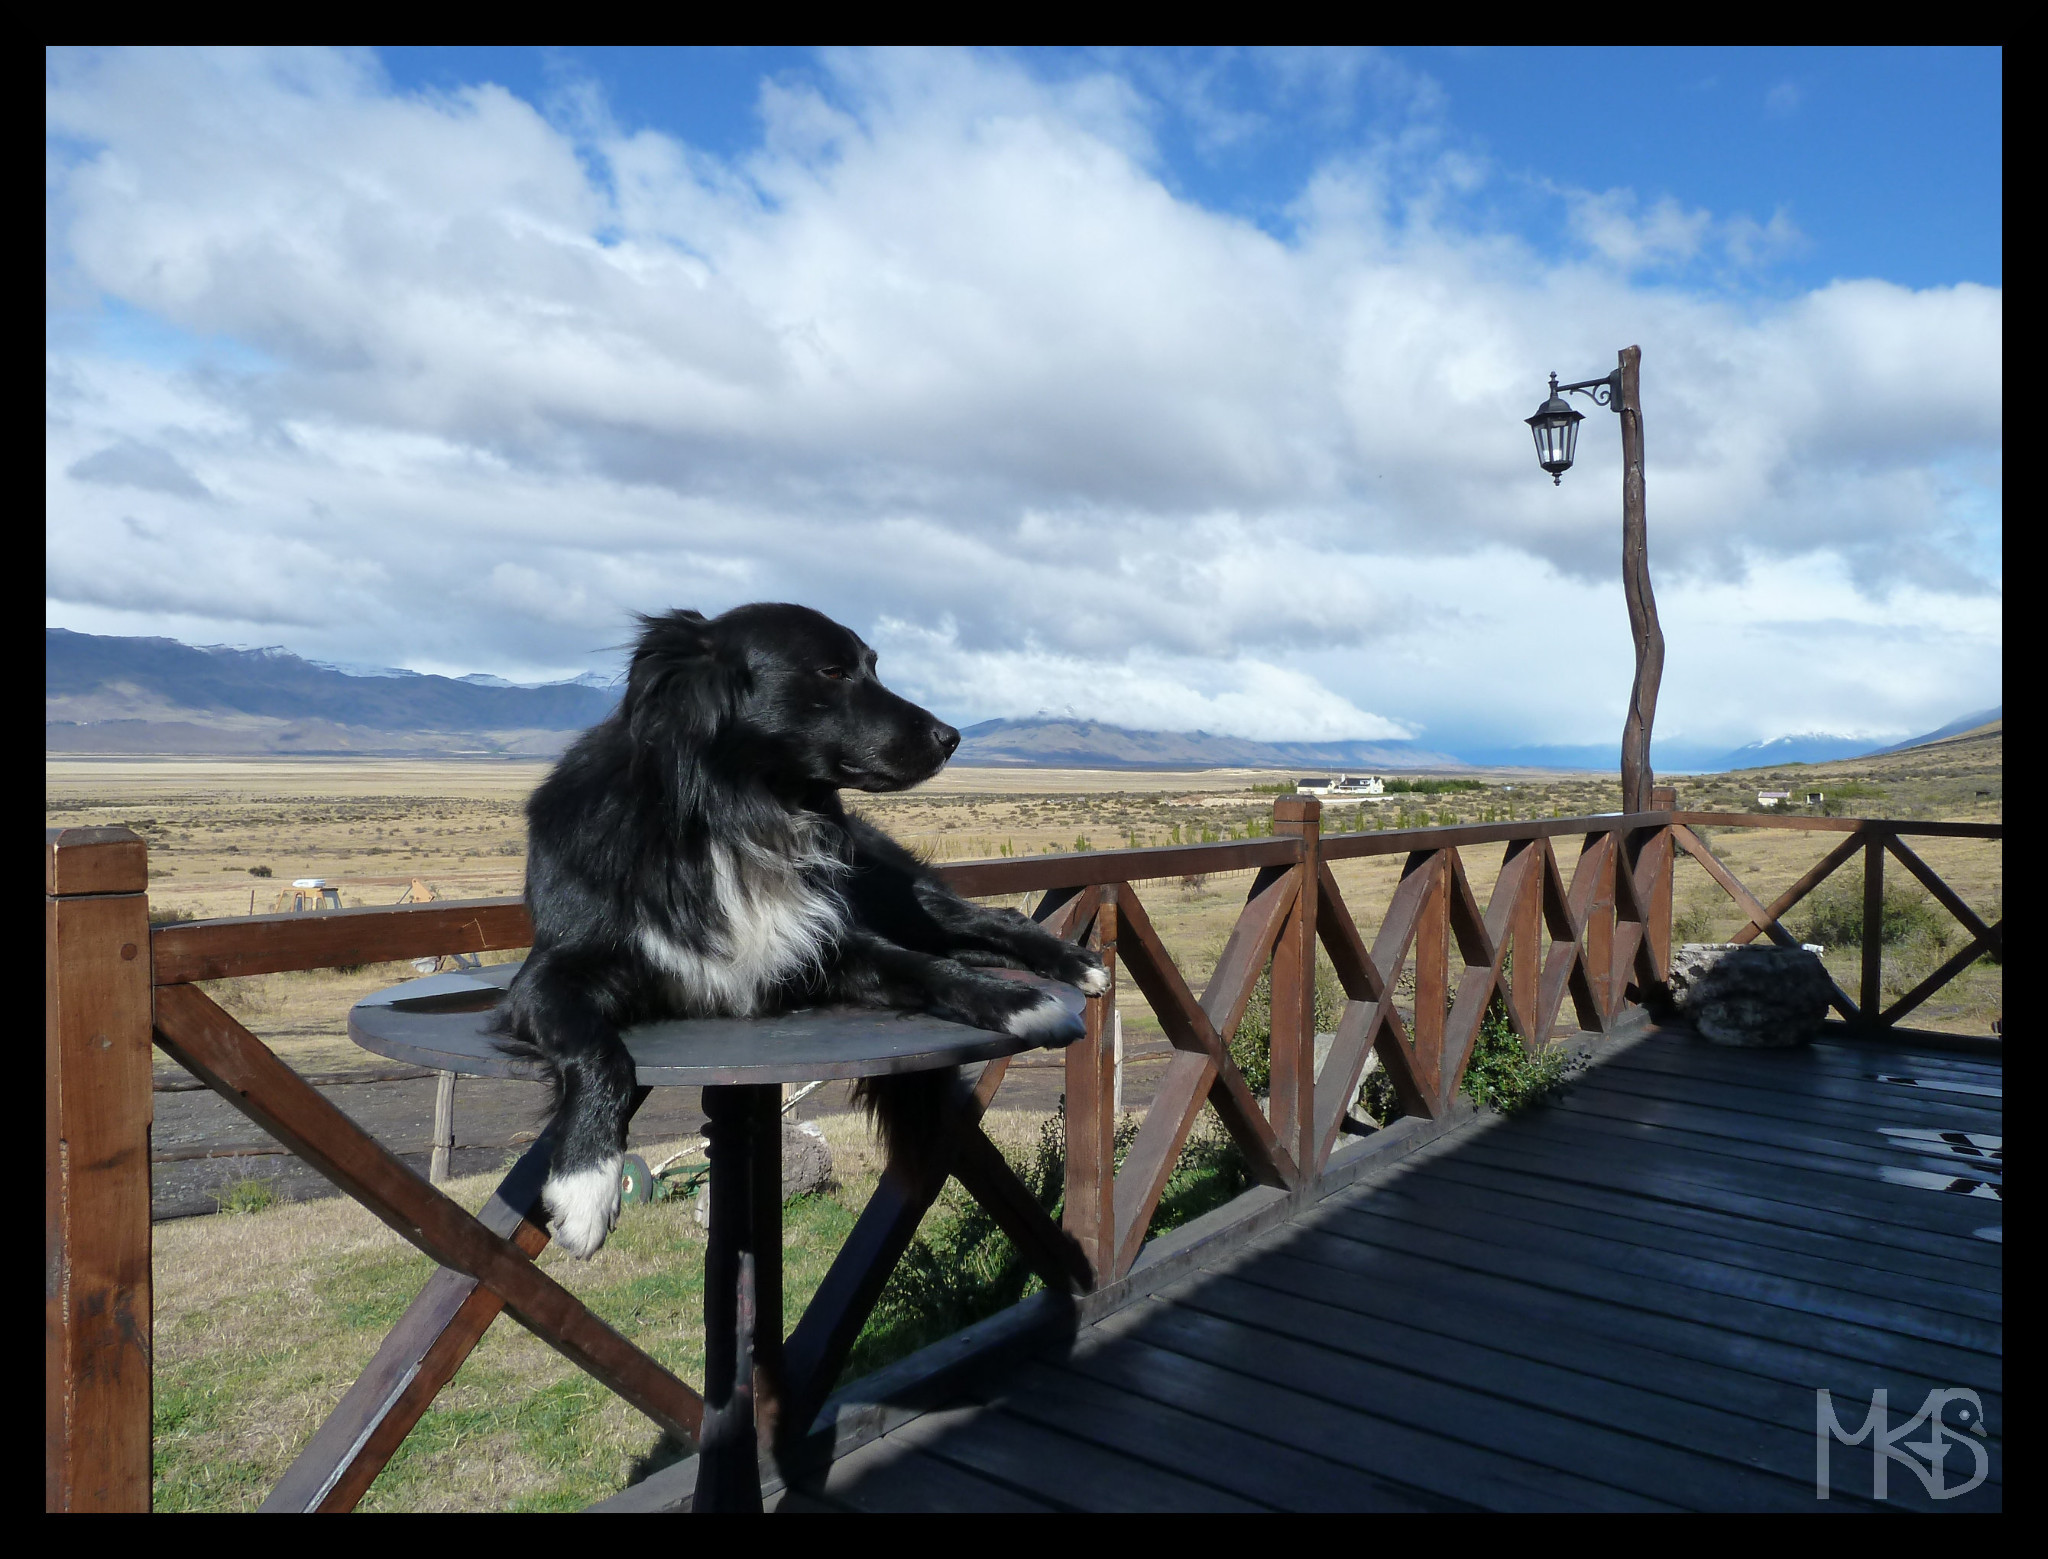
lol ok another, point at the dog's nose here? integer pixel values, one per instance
(946, 737)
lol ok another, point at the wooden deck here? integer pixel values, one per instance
(1626, 1301)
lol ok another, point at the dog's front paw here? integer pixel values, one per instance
(1083, 970)
(583, 1206)
(1043, 1016)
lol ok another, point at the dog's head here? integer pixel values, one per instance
(783, 691)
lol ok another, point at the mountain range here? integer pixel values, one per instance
(1053, 743)
(107, 695)
(122, 695)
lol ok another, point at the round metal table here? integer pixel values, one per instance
(444, 1021)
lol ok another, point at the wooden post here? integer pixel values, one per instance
(1090, 1215)
(1659, 847)
(1527, 945)
(1600, 926)
(1636, 778)
(96, 1116)
(1293, 1108)
(1116, 1020)
(1871, 999)
(444, 1127)
(729, 1475)
(1432, 980)
(1663, 798)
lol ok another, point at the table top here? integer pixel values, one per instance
(443, 1021)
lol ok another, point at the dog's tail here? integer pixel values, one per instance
(513, 1040)
(909, 1110)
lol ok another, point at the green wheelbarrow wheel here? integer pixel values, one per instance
(636, 1181)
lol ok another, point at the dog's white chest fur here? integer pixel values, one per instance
(779, 915)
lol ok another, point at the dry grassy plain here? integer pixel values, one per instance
(264, 1320)
(371, 826)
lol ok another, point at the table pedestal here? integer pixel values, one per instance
(450, 1022)
(742, 1294)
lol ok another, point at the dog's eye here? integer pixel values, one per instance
(833, 673)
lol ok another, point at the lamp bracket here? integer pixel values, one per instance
(1603, 392)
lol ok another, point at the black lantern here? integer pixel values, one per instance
(1556, 427)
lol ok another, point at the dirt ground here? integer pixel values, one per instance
(371, 827)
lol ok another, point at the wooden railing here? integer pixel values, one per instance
(1608, 946)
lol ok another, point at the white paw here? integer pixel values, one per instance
(1044, 1016)
(1093, 983)
(583, 1206)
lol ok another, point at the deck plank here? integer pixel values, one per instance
(1768, 1460)
(1901, 1108)
(892, 1475)
(1625, 1300)
(1644, 1220)
(1619, 1165)
(1610, 1243)
(1268, 1472)
(1054, 1467)
(1830, 1149)
(1714, 1299)
(1964, 1265)
(1341, 1269)
(1452, 1469)
(1765, 1172)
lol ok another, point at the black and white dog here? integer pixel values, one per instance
(690, 857)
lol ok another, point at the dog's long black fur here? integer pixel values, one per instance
(690, 857)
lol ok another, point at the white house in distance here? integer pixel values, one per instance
(1341, 785)
(1770, 798)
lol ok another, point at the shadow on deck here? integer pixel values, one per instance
(1625, 1301)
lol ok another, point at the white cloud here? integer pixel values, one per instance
(1611, 225)
(1783, 100)
(944, 350)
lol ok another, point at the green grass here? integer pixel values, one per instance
(249, 1194)
(293, 1301)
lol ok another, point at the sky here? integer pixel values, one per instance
(1179, 389)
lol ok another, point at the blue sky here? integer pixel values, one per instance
(1889, 161)
(1179, 388)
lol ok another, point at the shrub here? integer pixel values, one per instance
(259, 871)
(166, 916)
(1377, 1097)
(1501, 1075)
(249, 1194)
(1252, 1047)
(1833, 914)
(1431, 787)
(1692, 926)
(963, 1268)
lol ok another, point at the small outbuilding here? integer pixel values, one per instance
(307, 893)
(1341, 785)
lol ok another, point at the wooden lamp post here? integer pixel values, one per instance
(1556, 428)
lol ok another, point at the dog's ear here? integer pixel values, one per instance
(679, 689)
